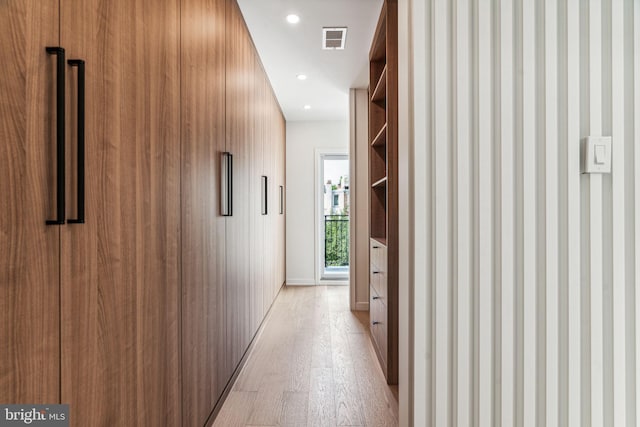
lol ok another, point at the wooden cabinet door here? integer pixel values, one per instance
(204, 363)
(268, 248)
(278, 180)
(29, 249)
(280, 138)
(259, 259)
(120, 270)
(239, 89)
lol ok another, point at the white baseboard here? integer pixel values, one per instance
(300, 282)
(323, 282)
(362, 306)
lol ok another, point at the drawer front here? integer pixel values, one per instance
(378, 253)
(379, 281)
(378, 317)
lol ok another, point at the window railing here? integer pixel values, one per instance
(336, 240)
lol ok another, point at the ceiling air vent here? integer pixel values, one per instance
(334, 38)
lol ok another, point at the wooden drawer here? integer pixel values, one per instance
(378, 324)
(378, 280)
(378, 253)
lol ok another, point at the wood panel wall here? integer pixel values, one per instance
(229, 282)
(140, 315)
(258, 262)
(29, 250)
(205, 369)
(239, 139)
(121, 268)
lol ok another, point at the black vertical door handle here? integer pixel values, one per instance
(264, 195)
(81, 117)
(60, 133)
(230, 184)
(226, 184)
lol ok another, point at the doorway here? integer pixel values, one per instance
(332, 219)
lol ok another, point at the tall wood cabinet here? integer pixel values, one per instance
(90, 309)
(138, 312)
(205, 368)
(121, 267)
(383, 198)
(29, 249)
(227, 288)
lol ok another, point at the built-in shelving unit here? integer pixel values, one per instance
(383, 199)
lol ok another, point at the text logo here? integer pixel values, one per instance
(34, 415)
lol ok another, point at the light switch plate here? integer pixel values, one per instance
(596, 154)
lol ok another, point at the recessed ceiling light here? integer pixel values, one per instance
(307, 107)
(302, 76)
(293, 19)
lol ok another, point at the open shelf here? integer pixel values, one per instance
(381, 138)
(380, 92)
(378, 49)
(382, 182)
(381, 240)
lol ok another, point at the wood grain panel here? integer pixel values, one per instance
(383, 206)
(392, 191)
(120, 294)
(29, 250)
(270, 154)
(239, 89)
(204, 368)
(258, 261)
(279, 137)
(282, 167)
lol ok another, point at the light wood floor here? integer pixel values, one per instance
(313, 365)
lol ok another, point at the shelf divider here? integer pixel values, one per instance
(380, 92)
(381, 138)
(380, 183)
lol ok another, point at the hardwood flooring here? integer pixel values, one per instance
(312, 365)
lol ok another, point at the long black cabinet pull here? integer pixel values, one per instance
(60, 133)
(226, 184)
(264, 195)
(81, 117)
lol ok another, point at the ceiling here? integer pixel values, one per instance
(288, 49)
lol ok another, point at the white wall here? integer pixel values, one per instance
(360, 189)
(303, 138)
(525, 273)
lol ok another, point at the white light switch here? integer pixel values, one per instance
(596, 154)
(600, 154)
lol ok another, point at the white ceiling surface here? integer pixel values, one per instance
(287, 50)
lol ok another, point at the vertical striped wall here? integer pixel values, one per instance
(527, 304)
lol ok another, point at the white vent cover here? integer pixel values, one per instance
(334, 38)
